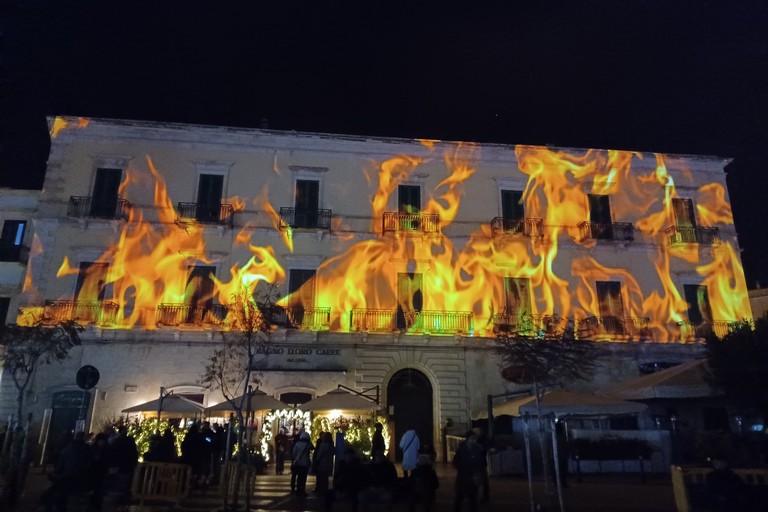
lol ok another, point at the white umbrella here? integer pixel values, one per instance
(562, 402)
(339, 399)
(687, 380)
(171, 404)
(260, 401)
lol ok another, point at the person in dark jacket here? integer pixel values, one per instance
(423, 483)
(377, 441)
(71, 475)
(322, 462)
(379, 484)
(123, 458)
(469, 462)
(347, 480)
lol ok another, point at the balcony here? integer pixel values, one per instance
(81, 207)
(221, 214)
(416, 322)
(612, 327)
(689, 331)
(305, 219)
(186, 314)
(515, 324)
(617, 231)
(98, 312)
(677, 235)
(533, 228)
(308, 319)
(395, 222)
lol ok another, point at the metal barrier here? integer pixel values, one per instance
(160, 481)
(684, 480)
(236, 482)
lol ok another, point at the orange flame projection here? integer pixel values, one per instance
(60, 123)
(415, 270)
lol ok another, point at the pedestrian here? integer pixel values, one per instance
(71, 475)
(300, 464)
(380, 481)
(469, 464)
(724, 488)
(377, 441)
(423, 484)
(410, 445)
(281, 445)
(322, 462)
(347, 480)
(484, 443)
(123, 459)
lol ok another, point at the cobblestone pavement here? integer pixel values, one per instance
(597, 493)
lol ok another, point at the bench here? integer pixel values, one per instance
(689, 486)
(161, 482)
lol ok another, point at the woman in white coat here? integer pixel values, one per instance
(410, 445)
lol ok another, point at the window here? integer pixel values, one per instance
(105, 190)
(410, 298)
(684, 213)
(199, 292)
(409, 199)
(611, 307)
(5, 304)
(11, 240)
(699, 310)
(517, 298)
(209, 190)
(301, 287)
(512, 207)
(600, 217)
(91, 282)
(307, 203)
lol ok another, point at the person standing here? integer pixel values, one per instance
(323, 462)
(377, 441)
(410, 445)
(423, 484)
(469, 462)
(281, 442)
(300, 466)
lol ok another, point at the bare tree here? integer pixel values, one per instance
(231, 367)
(545, 352)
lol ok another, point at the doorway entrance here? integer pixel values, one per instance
(409, 397)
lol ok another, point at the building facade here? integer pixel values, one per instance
(397, 262)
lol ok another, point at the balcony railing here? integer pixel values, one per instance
(395, 222)
(221, 214)
(86, 206)
(423, 322)
(181, 314)
(99, 312)
(514, 323)
(596, 327)
(618, 231)
(305, 219)
(309, 319)
(700, 331)
(693, 235)
(533, 228)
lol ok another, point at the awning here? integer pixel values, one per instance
(562, 402)
(171, 404)
(340, 399)
(686, 380)
(260, 401)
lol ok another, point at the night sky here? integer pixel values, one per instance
(662, 76)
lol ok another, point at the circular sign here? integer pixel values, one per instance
(87, 377)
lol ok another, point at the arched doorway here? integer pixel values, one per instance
(409, 398)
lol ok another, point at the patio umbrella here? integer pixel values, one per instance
(339, 399)
(687, 380)
(562, 402)
(260, 401)
(171, 404)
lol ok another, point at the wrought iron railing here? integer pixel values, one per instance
(619, 231)
(411, 222)
(425, 322)
(602, 326)
(693, 235)
(700, 331)
(533, 228)
(305, 219)
(309, 319)
(179, 314)
(87, 206)
(99, 312)
(514, 323)
(222, 214)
